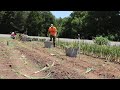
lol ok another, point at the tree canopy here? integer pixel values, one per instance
(88, 24)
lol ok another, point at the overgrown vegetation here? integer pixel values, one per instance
(111, 53)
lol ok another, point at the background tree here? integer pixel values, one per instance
(88, 24)
(48, 19)
(7, 18)
(33, 20)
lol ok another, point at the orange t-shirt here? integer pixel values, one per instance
(53, 31)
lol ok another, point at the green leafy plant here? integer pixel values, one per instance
(72, 45)
(101, 41)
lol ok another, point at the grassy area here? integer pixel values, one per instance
(111, 53)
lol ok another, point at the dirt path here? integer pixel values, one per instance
(30, 60)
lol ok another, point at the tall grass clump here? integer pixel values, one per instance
(110, 53)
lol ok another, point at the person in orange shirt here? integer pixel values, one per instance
(53, 32)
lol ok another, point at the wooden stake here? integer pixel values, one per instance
(79, 44)
(7, 43)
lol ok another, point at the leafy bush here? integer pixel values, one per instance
(101, 40)
(111, 37)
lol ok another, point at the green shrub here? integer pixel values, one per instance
(111, 37)
(101, 40)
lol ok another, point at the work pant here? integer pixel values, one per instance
(53, 38)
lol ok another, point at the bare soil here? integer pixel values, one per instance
(30, 60)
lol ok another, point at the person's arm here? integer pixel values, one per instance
(56, 31)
